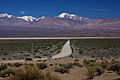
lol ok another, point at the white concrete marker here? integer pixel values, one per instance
(66, 51)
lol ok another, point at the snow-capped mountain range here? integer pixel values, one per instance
(63, 24)
(64, 19)
(26, 18)
(5, 15)
(31, 18)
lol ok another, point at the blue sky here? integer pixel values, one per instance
(87, 8)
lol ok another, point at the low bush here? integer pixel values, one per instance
(76, 60)
(51, 64)
(61, 70)
(37, 56)
(114, 66)
(3, 67)
(89, 62)
(104, 65)
(31, 64)
(44, 60)
(17, 64)
(9, 64)
(3, 58)
(7, 72)
(94, 71)
(77, 64)
(28, 59)
(32, 73)
(41, 65)
(67, 66)
(55, 64)
(70, 65)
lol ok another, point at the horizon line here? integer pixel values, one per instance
(35, 38)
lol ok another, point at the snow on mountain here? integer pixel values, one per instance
(43, 17)
(5, 15)
(28, 18)
(31, 18)
(70, 16)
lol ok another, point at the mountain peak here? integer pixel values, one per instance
(70, 16)
(62, 15)
(28, 18)
(31, 18)
(5, 15)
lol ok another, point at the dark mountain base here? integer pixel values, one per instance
(44, 32)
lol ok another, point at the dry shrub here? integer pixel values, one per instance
(7, 72)
(32, 73)
(17, 64)
(41, 65)
(3, 66)
(114, 66)
(61, 70)
(95, 70)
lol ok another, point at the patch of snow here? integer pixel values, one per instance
(31, 18)
(43, 17)
(5, 15)
(70, 16)
(28, 18)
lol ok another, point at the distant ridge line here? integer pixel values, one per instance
(35, 38)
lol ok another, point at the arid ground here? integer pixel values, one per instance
(92, 59)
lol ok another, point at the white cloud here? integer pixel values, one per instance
(22, 12)
(97, 9)
(91, 9)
